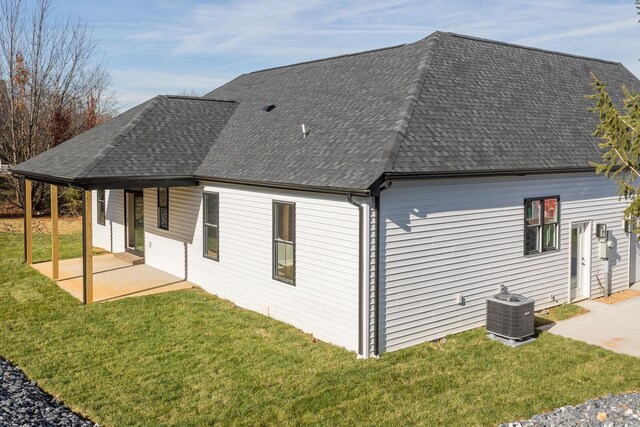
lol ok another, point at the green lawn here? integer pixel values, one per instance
(563, 312)
(189, 359)
(12, 247)
(69, 246)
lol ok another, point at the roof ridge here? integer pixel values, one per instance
(119, 137)
(554, 52)
(197, 98)
(411, 99)
(329, 58)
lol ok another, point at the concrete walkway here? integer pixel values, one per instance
(615, 327)
(113, 278)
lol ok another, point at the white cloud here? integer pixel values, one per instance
(276, 27)
(284, 27)
(230, 37)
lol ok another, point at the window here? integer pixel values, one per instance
(163, 208)
(210, 220)
(101, 207)
(541, 225)
(284, 241)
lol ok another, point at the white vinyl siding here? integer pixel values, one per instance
(324, 301)
(109, 236)
(441, 238)
(166, 249)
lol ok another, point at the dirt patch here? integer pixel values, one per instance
(619, 296)
(42, 225)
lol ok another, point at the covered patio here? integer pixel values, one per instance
(104, 277)
(113, 278)
(130, 154)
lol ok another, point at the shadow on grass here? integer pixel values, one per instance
(542, 324)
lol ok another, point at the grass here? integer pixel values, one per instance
(69, 240)
(187, 358)
(562, 312)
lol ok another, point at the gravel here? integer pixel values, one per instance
(622, 410)
(24, 404)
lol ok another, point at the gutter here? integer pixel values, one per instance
(361, 282)
(177, 181)
(190, 180)
(286, 186)
(47, 179)
(107, 182)
(376, 291)
(495, 172)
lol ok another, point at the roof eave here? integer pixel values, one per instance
(119, 182)
(489, 172)
(112, 182)
(290, 186)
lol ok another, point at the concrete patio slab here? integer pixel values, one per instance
(615, 327)
(114, 278)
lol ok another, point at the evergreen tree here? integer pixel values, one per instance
(620, 135)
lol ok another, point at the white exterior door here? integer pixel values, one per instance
(578, 277)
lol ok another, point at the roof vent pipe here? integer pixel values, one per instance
(305, 132)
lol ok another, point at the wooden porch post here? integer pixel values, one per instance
(54, 232)
(28, 233)
(87, 249)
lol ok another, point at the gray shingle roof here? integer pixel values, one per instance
(165, 136)
(352, 105)
(445, 104)
(75, 156)
(487, 105)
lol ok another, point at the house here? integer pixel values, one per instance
(373, 200)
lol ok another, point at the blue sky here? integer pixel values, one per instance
(155, 47)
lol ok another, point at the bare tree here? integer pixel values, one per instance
(191, 92)
(51, 87)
